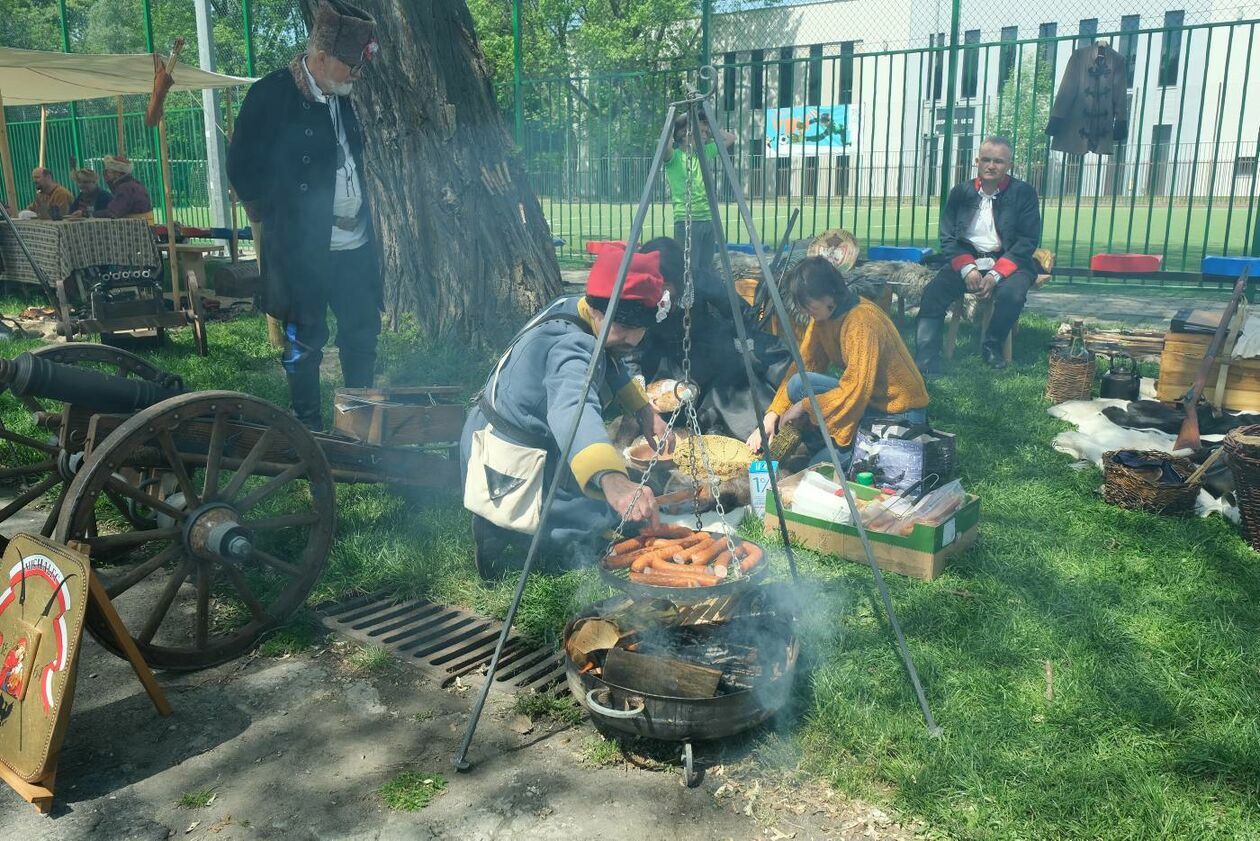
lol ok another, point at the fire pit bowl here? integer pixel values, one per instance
(755, 648)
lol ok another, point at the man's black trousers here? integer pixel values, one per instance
(347, 287)
(1008, 300)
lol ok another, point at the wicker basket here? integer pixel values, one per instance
(1127, 488)
(1242, 450)
(729, 457)
(1071, 377)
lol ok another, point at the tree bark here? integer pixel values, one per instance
(464, 244)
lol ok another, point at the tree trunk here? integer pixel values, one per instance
(464, 244)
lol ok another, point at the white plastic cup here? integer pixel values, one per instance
(759, 485)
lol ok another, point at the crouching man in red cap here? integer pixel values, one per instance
(514, 435)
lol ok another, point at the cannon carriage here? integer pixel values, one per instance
(209, 515)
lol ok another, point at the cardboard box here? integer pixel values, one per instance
(395, 416)
(921, 554)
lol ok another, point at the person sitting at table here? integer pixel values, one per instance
(131, 200)
(91, 199)
(52, 201)
(879, 381)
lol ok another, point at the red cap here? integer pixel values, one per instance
(644, 284)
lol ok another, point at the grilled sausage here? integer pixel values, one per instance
(750, 558)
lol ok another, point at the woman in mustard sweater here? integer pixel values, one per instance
(878, 380)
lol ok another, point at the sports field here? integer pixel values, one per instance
(1073, 230)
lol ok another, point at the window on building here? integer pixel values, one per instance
(809, 177)
(1129, 25)
(1046, 46)
(783, 177)
(1006, 57)
(757, 87)
(813, 83)
(728, 82)
(787, 82)
(971, 62)
(1245, 166)
(1086, 32)
(1170, 52)
(846, 72)
(841, 184)
(938, 65)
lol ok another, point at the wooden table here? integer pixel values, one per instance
(63, 248)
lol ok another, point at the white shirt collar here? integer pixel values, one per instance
(315, 91)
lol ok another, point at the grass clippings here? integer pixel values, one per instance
(411, 791)
(543, 706)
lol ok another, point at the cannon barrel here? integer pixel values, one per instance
(28, 375)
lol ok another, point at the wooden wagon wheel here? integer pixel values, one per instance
(43, 457)
(237, 546)
(197, 315)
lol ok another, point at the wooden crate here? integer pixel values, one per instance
(395, 416)
(1184, 352)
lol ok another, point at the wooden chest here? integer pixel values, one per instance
(1179, 363)
(394, 416)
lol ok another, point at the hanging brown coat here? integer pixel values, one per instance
(1091, 110)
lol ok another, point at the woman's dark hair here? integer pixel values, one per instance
(813, 279)
(671, 256)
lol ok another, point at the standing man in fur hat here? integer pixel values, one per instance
(296, 162)
(512, 440)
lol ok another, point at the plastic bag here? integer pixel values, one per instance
(898, 515)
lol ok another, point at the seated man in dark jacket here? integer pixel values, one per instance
(989, 229)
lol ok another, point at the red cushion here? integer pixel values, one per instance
(597, 246)
(1122, 263)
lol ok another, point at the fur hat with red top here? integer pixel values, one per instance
(345, 32)
(640, 296)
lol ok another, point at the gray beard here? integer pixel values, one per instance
(341, 88)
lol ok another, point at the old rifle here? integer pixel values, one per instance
(1189, 434)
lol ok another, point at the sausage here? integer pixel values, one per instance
(627, 546)
(623, 561)
(702, 574)
(659, 579)
(721, 562)
(707, 555)
(673, 579)
(643, 561)
(684, 556)
(666, 531)
(751, 558)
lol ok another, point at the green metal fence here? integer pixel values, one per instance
(1183, 185)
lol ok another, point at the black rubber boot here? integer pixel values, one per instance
(497, 551)
(929, 339)
(991, 353)
(304, 398)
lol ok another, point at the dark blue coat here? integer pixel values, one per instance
(282, 164)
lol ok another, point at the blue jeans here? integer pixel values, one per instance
(822, 383)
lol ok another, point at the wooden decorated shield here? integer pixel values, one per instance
(43, 597)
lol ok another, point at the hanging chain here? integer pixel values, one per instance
(661, 443)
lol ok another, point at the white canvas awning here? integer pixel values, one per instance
(37, 77)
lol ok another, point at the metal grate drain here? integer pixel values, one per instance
(445, 642)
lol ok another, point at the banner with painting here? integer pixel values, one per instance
(810, 131)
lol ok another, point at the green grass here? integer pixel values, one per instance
(198, 799)
(299, 634)
(1150, 624)
(372, 661)
(1073, 233)
(410, 791)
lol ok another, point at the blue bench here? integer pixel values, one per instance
(1230, 266)
(745, 247)
(904, 253)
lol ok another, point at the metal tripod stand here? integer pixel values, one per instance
(698, 109)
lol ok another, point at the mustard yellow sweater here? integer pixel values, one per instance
(879, 372)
